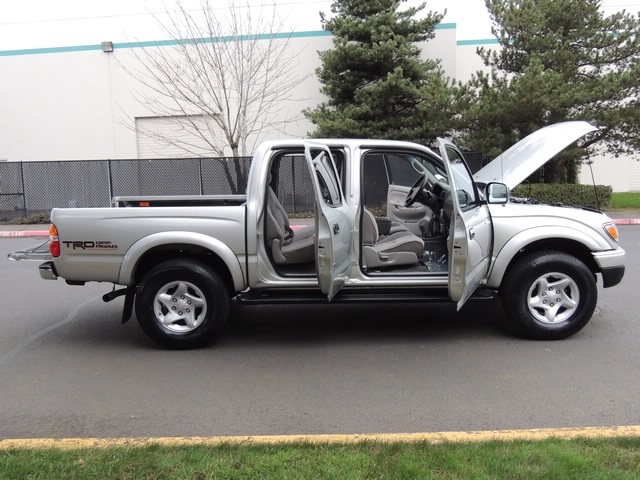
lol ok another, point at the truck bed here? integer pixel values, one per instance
(179, 201)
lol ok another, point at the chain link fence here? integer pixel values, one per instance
(294, 187)
(35, 187)
(28, 188)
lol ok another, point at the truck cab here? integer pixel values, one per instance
(380, 218)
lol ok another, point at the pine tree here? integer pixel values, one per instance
(377, 84)
(557, 60)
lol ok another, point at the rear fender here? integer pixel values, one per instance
(137, 250)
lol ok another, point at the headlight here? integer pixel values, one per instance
(611, 230)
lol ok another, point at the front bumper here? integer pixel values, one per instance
(611, 263)
(612, 276)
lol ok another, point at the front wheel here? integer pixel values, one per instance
(182, 304)
(548, 295)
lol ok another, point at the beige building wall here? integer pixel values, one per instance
(79, 103)
(622, 173)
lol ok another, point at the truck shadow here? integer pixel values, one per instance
(374, 323)
(306, 325)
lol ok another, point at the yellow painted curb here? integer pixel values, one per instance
(435, 437)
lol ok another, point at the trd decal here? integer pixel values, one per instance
(90, 245)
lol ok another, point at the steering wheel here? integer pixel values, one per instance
(416, 190)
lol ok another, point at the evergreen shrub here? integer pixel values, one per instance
(566, 194)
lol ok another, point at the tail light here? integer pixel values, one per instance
(54, 241)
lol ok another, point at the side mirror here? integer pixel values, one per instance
(497, 193)
(463, 198)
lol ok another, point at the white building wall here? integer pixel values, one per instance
(305, 95)
(79, 103)
(622, 173)
(82, 105)
(468, 61)
(55, 106)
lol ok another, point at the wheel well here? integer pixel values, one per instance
(159, 254)
(570, 247)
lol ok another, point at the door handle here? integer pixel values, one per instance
(336, 229)
(472, 234)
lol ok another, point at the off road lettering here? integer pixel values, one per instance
(89, 244)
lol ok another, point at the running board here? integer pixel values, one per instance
(357, 295)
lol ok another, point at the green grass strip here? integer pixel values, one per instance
(602, 458)
(625, 200)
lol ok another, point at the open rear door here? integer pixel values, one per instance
(470, 232)
(334, 226)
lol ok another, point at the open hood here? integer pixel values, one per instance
(522, 159)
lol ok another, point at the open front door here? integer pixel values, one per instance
(334, 226)
(470, 232)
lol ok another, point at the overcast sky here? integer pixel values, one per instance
(47, 23)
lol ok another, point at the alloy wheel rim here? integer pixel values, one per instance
(180, 307)
(553, 298)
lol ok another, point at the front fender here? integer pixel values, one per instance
(503, 257)
(142, 246)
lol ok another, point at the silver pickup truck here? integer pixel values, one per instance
(387, 221)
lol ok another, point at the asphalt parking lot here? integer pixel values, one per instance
(68, 368)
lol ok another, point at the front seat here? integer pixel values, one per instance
(399, 248)
(287, 246)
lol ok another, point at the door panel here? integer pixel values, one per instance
(471, 232)
(334, 226)
(469, 252)
(397, 212)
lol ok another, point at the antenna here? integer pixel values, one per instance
(593, 180)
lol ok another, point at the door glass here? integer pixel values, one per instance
(375, 182)
(328, 179)
(467, 194)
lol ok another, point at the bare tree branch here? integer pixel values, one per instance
(226, 76)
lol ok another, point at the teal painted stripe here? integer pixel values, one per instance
(173, 42)
(37, 51)
(482, 41)
(156, 43)
(165, 43)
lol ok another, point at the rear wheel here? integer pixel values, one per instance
(182, 304)
(549, 295)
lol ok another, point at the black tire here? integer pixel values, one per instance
(548, 295)
(182, 304)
